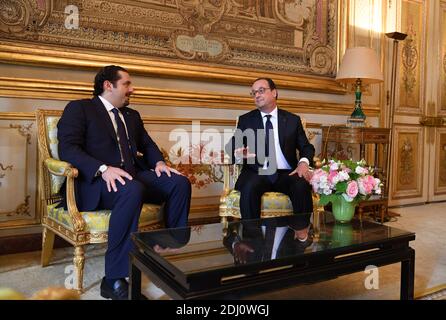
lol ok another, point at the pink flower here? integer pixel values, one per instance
(366, 185)
(334, 166)
(352, 189)
(332, 177)
(319, 180)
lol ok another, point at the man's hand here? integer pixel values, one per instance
(159, 249)
(241, 251)
(161, 167)
(243, 153)
(112, 174)
(303, 170)
(301, 235)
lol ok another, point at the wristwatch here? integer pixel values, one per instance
(102, 168)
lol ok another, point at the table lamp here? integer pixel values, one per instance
(359, 65)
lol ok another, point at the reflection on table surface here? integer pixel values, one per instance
(218, 246)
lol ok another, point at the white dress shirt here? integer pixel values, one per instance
(278, 236)
(109, 107)
(280, 158)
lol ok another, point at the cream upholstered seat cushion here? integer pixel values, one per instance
(97, 221)
(272, 203)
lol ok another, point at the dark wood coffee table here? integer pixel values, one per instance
(200, 263)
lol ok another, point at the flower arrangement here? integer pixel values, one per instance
(353, 181)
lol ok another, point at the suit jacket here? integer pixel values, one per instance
(87, 139)
(292, 138)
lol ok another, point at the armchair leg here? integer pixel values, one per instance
(79, 260)
(224, 220)
(47, 246)
(316, 224)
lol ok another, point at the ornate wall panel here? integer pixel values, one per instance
(17, 173)
(288, 37)
(412, 58)
(407, 171)
(70, 90)
(440, 162)
(443, 59)
(194, 147)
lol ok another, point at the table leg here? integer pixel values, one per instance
(134, 281)
(407, 277)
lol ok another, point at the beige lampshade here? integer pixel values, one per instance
(362, 63)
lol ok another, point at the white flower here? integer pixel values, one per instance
(361, 170)
(334, 166)
(343, 176)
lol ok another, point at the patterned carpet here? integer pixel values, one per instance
(436, 293)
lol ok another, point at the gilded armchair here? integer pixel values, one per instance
(78, 228)
(273, 204)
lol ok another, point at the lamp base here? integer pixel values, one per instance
(355, 122)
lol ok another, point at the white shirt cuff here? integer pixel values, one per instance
(304, 160)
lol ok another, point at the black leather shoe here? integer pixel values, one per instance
(302, 245)
(119, 291)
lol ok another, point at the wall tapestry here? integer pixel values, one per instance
(284, 36)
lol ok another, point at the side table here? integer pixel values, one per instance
(363, 136)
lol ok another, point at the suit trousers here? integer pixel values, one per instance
(252, 186)
(126, 206)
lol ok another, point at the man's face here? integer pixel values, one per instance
(265, 101)
(122, 89)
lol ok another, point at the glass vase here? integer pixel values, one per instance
(343, 211)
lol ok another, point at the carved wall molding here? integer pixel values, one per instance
(408, 162)
(158, 120)
(66, 91)
(21, 210)
(412, 58)
(440, 162)
(24, 130)
(23, 18)
(18, 210)
(3, 170)
(442, 87)
(20, 53)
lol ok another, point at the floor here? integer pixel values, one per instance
(22, 272)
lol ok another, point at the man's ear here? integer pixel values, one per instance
(107, 85)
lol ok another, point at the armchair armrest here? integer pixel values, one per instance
(317, 163)
(62, 168)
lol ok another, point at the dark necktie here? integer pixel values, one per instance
(269, 131)
(270, 233)
(124, 145)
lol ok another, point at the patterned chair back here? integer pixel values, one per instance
(47, 138)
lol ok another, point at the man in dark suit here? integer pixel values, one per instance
(274, 136)
(120, 168)
(254, 241)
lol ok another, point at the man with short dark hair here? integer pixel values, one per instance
(120, 168)
(266, 141)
